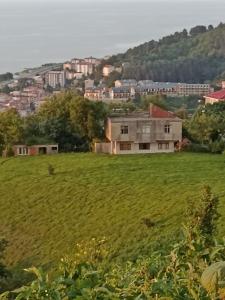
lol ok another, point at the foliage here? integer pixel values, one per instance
(6, 77)
(207, 127)
(173, 273)
(67, 119)
(181, 57)
(11, 129)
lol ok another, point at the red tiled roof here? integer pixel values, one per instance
(219, 95)
(157, 112)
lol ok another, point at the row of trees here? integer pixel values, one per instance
(173, 270)
(67, 119)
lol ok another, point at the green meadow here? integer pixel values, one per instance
(44, 216)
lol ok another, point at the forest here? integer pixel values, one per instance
(197, 56)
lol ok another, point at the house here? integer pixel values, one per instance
(215, 97)
(156, 131)
(23, 150)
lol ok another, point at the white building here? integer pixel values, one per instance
(55, 79)
(107, 69)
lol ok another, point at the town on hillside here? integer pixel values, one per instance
(26, 91)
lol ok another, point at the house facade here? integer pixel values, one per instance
(24, 150)
(157, 131)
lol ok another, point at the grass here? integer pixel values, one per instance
(91, 195)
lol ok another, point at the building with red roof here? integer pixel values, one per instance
(215, 97)
(155, 131)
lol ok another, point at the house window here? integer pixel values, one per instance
(23, 151)
(146, 129)
(125, 146)
(124, 129)
(54, 148)
(144, 146)
(165, 146)
(167, 128)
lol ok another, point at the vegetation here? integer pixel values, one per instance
(44, 216)
(207, 127)
(67, 119)
(178, 270)
(6, 77)
(197, 56)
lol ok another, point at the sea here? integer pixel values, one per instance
(35, 32)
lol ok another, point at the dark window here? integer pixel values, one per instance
(144, 146)
(125, 146)
(54, 148)
(124, 129)
(160, 146)
(167, 128)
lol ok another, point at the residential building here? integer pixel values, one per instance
(156, 131)
(215, 97)
(186, 89)
(223, 84)
(55, 79)
(107, 70)
(121, 93)
(126, 83)
(92, 60)
(24, 150)
(96, 94)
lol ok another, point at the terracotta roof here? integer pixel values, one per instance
(157, 112)
(220, 95)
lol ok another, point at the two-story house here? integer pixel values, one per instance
(155, 131)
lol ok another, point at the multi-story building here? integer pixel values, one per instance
(153, 132)
(121, 93)
(107, 70)
(186, 89)
(96, 94)
(55, 79)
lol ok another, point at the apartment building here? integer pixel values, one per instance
(107, 70)
(55, 79)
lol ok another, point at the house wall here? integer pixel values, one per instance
(135, 149)
(135, 130)
(102, 148)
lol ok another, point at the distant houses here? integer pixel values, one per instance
(156, 131)
(129, 89)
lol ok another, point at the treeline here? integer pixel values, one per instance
(67, 119)
(6, 76)
(191, 266)
(194, 57)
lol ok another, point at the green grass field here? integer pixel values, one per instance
(91, 195)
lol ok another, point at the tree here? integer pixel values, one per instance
(11, 129)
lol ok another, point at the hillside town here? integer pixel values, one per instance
(78, 74)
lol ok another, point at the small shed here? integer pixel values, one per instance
(23, 150)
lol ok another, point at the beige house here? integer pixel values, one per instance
(156, 131)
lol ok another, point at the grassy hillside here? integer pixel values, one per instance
(92, 195)
(197, 56)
